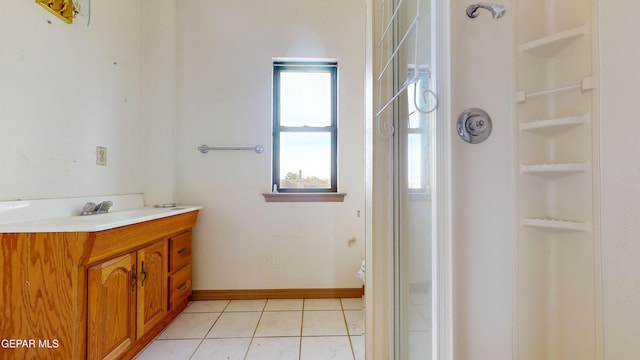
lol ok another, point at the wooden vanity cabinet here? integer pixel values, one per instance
(111, 326)
(94, 295)
(127, 298)
(179, 269)
(151, 286)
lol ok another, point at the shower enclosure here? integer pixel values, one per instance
(406, 112)
(520, 211)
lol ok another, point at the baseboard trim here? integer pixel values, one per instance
(251, 294)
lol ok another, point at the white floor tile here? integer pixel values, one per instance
(283, 304)
(222, 349)
(169, 350)
(355, 321)
(326, 348)
(246, 305)
(323, 323)
(352, 304)
(235, 324)
(322, 304)
(280, 323)
(357, 342)
(264, 330)
(189, 326)
(206, 306)
(275, 348)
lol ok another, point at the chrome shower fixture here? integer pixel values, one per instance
(497, 10)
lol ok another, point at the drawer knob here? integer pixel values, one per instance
(182, 251)
(182, 286)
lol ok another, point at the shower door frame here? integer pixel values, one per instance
(441, 193)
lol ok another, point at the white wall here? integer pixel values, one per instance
(379, 287)
(225, 53)
(159, 101)
(620, 177)
(65, 89)
(483, 187)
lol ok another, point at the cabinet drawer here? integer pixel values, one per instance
(179, 286)
(180, 251)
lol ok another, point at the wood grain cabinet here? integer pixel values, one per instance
(111, 323)
(179, 268)
(151, 286)
(127, 298)
(93, 295)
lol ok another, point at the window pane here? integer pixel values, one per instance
(305, 98)
(421, 99)
(414, 115)
(414, 161)
(305, 160)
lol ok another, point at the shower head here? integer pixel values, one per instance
(497, 10)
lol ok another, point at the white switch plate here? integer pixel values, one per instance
(101, 155)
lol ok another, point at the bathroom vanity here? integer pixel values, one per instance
(93, 287)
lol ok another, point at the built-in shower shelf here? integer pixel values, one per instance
(554, 126)
(556, 254)
(556, 225)
(554, 170)
(552, 44)
(587, 83)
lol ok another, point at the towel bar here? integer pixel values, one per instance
(259, 149)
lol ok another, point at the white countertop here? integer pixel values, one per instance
(92, 223)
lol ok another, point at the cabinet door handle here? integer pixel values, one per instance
(134, 277)
(182, 251)
(182, 286)
(144, 275)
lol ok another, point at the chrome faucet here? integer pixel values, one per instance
(93, 209)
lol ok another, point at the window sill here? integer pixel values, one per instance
(304, 197)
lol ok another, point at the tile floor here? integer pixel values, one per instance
(324, 329)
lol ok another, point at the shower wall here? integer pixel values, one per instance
(620, 178)
(569, 256)
(483, 186)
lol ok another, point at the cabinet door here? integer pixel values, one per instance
(111, 307)
(152, 286)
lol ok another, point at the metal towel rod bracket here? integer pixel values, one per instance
(259, 149)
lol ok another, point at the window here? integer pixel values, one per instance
(305, 126)
(419, 132)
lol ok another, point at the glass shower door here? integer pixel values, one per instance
(413, 183)
(413, 237)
